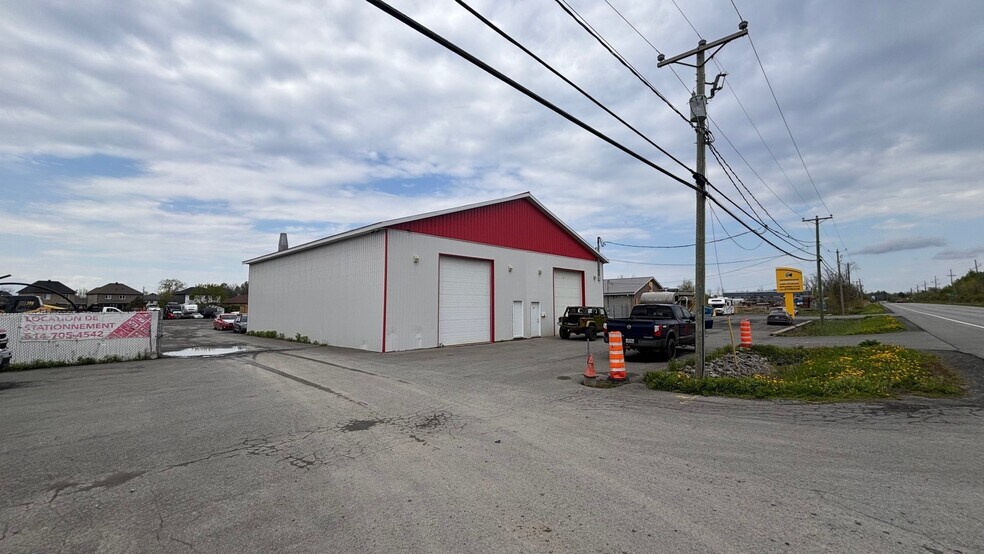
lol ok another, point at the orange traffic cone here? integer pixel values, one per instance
(589, 371)
(616, 357)
(746, 334)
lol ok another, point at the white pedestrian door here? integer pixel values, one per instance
(464, 301)
(567, 292)
(518, 319)
(535, 319)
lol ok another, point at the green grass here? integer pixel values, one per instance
(870, 308)
(825, 374)
(870, 325)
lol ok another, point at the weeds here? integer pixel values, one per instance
(830, 373)
(871, 325)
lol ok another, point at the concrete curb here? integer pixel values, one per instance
(787, 329)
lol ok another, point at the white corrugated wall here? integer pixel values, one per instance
(332, 294)
(412, 298)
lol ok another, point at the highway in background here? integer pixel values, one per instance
(960, 326)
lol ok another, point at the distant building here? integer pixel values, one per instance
(113, 295)
(622, 294)
(47, 289)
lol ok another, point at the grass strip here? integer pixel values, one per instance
(870, 325)
(826, 374)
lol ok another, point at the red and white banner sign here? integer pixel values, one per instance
(83, 326)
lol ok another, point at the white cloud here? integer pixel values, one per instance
(251, 117)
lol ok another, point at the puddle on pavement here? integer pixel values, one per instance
(203, 351)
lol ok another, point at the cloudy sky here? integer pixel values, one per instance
(143, 141)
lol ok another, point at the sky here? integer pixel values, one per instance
(154, 140)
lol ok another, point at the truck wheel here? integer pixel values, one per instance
(670, 349)
(565, 333)
(591, 333)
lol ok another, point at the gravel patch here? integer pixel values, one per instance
(748, 364)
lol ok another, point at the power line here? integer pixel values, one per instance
(687, 19)
(611, 49)
(726, 167)
(691, 265)
(550, 68)
(415, 25)
(651, 45)
(729, 237)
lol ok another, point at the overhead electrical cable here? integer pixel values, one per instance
(717, 260)
(651, 45)
(691, 245)
(611, 49)
(731, 237)
(691, 265)
(733, 175)
(427, 32)
(550, 68)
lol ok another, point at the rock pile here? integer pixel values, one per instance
(748, 364)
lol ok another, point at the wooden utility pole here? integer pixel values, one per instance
(951, 277)
(698, 115)
(840, 281)
(816, 222)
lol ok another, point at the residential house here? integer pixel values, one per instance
(238, 303)
(50, 292)
(113, 295)
(622, 294)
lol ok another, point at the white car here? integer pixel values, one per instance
(197, 315)
(111, 310)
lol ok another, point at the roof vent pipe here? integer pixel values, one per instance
(283, 242)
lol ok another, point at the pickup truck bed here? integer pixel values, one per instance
(655, 328)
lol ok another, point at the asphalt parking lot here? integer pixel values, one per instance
(284, 446)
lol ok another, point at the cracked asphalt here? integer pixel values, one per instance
(482, 448)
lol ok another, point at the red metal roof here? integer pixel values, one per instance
(516, 224)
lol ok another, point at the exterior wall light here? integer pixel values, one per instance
(416, 259)
(510, 269)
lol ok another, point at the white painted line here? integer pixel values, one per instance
(939, 316)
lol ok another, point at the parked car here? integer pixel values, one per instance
(582, 320)
(779, 316)
(655, 328)
(111, 310)
(239, 324)
(4, 351)
(224, 322)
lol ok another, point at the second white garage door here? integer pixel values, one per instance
(465, 301)
(567, 292)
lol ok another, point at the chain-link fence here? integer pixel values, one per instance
(59, 338)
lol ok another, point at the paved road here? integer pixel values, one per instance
(960, 326)
(481, 448)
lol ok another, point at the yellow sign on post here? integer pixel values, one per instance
(788, 281)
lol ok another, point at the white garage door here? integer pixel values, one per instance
(465, 301)
(567, 292)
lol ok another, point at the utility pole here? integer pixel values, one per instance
(598, 249)
(951, 277)
(816, 222)
(840, 281)
(698, 115)
(936, 283)
(975, 265)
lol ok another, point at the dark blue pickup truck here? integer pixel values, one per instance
(655, 328)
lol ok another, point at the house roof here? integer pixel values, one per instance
(627, 285)
(238, 299)
(114, 288)
(185, 291)
(404, 221)
(56, 286)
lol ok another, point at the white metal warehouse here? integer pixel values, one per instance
(485, 272)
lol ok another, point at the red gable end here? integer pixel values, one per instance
(516, 224)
